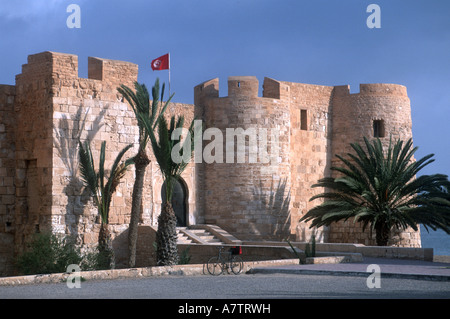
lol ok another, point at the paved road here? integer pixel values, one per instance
(256, 286)
(394, 268)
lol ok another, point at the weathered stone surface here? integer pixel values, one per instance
(50, 108)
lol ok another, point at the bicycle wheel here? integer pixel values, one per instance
(236, 265)
(214, 266)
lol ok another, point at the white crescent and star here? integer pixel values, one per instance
(156, 64)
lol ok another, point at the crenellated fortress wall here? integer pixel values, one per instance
(314, 123)
(50, 108)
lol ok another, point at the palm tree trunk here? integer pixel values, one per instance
(383, 232)
(166, 237)
(105, 247)
(141, 162)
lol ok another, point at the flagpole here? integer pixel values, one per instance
(169, 74)
(162, 63)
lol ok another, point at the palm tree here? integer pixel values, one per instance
(102, 192)
(171, 169)
(140, 103)
(382, 190)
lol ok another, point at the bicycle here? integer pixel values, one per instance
(226, 260)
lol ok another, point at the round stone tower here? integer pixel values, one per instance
(377, 111)
(245, 159)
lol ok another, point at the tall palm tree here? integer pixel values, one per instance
(140, 103)
(102, 192)
(381, 189)
(171, 169)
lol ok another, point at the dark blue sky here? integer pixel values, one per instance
(317, 42)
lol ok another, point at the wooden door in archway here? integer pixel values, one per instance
(178, 201)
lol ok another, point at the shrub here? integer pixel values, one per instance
(50, 253)
(300, 261)
(185, 258)
(310, 249)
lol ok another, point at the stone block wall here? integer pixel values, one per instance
(42, 119)
(353, 118)
(92, 109)
(321, 122)
(248, 199)
(33, 146)
(310, 109)
(7, 176)
(50, 108)
(354, 114)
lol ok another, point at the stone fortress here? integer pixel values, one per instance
(50, 108)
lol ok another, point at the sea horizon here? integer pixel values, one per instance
(438, 240)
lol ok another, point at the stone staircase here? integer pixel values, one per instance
(183, 239)
(204, 234)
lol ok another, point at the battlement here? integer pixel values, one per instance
(275, 89)
(248, 86)
(374, 89)
(243, 86)
(207, 89)
(105, 69)
(238, 86)
(64, 66)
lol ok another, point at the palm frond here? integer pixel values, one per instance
(87, 169)
(164, 145)
(381, 187)
(94, 181)
(118, 170)
(139, 100)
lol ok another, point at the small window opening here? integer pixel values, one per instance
(303, 120)
(378, 128)
(239, 84)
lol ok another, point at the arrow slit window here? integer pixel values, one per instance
(304, 120)
(378, 128)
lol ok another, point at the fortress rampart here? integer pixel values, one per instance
(50, 108)
(314, 123)
(385, 105)
(249, 199)
(43, 116)
(378, 110)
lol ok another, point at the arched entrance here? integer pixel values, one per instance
(178, 201)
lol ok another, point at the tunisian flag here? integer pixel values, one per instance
(161, 63)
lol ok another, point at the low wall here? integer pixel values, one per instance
(366, 251)
(270, 250)
(200, 253)
(380, 251)
(177, 270)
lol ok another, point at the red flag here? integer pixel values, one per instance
(161, 63)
